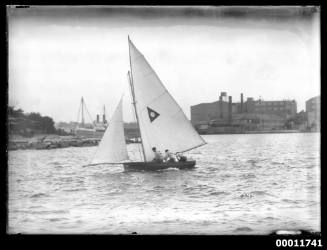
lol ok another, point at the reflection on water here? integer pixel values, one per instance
(242, 184)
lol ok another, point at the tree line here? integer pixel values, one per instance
(30, 123)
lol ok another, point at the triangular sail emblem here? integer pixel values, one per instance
(152, 114)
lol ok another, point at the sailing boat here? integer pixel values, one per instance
(161, 122)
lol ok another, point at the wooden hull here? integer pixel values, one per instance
(154, 166)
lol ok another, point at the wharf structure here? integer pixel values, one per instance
(224, 116)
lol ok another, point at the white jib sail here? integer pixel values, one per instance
(112, 147)
(162, 122)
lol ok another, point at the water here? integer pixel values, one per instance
(243, 184)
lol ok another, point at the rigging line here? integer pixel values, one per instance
(79, 110)
(88, 113)
(146, 135)
(138, 146)
(204, 143)
(92, 121)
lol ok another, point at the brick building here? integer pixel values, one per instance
(285, 108)
(259, 113)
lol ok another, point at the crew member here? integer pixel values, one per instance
(169, 156)
(157, 155)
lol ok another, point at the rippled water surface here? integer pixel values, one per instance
(242, 184)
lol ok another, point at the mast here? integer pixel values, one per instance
(104, 114)
(134, 104)
(130, 76)
(82, 112)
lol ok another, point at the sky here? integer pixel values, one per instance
(56, 55)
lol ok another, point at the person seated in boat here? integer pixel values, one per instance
(181, 157)
(169, 156)
(157, 155)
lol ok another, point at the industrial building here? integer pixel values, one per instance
(312, 108)
(225, 116)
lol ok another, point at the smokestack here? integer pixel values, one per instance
(98, 118)
(104, 114)
(221, 106)
(241, 102)
(230, 109)
(224, 96)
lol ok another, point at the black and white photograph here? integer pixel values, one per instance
(164, 120)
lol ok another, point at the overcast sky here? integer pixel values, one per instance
(57, 55)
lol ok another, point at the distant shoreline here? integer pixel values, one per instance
(49, 141)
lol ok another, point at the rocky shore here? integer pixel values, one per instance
(50, 142)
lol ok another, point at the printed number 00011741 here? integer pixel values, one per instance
(298, 243)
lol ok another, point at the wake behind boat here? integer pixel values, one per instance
(161, 121)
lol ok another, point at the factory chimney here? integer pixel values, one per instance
(220, 106)
(230, 110)
(98, 118)
(104, 115)
(241, 102)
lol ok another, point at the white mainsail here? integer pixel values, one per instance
(112, 148)
(161, 120)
